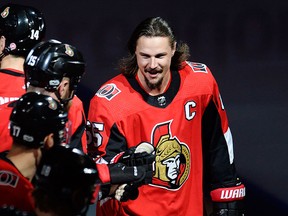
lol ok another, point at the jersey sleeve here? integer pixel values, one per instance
(217, 142)
(77, 121)
(5, 138)
(105, 140)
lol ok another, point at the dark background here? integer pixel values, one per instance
(243, 42)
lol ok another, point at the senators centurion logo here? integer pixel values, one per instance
(108, 91)
(172, 161)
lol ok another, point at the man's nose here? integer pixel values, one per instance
(153, 63)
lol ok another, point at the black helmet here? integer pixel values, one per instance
(49, 61)
(36, 116)
(22, 26)
(62, 171)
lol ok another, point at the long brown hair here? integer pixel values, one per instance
(153, 27)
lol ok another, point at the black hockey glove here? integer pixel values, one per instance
(120, 174)
(228, 199)
(234, 208)
(140, 156)
(126, 192)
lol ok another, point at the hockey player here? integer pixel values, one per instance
(65, 182)
(53, 68)
(175, 105)
(21, 28)
(37, 123)
(66, 177)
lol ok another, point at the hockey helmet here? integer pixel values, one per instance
(49, 61)
(34, 117)
(22, 26)
(67, 173)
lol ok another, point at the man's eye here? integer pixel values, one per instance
(160, 56)
(145, 57)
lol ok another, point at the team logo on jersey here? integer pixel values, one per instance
(198, 67)
(5, 12)
(108, 91)
(172, 161)
(8, 178)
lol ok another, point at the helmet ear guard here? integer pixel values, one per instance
(75, 70)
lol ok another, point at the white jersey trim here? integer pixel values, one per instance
(229, 141)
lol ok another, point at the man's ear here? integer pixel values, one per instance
(174, 48)
(64, 88)
(2, 43)
(49, 141)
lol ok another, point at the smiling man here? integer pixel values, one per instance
(163, 99)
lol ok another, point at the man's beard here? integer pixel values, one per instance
(154, 86)
(157, 85)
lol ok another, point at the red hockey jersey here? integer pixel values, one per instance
(77, 122)
(188, 127)
(12, 85)
(5, 138)
(15, 189)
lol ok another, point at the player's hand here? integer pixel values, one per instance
(126, 192)
(141, 157)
